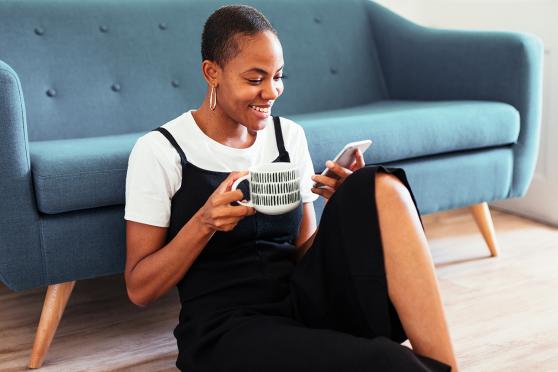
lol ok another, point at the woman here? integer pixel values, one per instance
(273, 293)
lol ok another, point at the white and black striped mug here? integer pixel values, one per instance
(274, 187)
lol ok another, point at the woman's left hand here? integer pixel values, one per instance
(330, 184)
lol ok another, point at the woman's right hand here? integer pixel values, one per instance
(217, 214)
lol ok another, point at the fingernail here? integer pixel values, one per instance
(329, 163)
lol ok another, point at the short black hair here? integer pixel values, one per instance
(220, 42)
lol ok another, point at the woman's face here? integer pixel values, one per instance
(252, 81)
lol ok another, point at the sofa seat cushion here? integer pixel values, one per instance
(80, 173)
(410, 129)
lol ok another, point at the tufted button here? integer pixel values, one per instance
(317, 20)
(39, 31)
(175, 83)
(333, 70)
(162, 26)
(103, 28)
(115, 87)
(51, 92)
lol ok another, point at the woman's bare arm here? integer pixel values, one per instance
(152, 267)
(307, 231)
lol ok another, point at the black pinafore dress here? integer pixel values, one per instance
(246, 305)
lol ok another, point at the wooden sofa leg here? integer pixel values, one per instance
(55, 302)
(482, 216)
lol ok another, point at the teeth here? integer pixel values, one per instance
(260, 109)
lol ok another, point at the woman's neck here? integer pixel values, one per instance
(223, 130)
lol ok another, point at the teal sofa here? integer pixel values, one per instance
(81, 81)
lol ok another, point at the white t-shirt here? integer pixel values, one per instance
(155, 173)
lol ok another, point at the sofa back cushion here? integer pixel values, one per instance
(101, 67)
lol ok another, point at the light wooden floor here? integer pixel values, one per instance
(503, 312)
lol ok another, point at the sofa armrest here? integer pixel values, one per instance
(421, 63)
(14, 151)
(21, 263)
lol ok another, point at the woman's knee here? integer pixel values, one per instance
(389, 189)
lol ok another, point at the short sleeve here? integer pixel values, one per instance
(303, 159)
(150, 182)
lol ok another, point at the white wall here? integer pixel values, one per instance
(411, 9)
(535, 16)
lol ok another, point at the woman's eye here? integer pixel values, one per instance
(257, 81)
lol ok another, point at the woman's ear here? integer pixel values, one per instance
(211, 72)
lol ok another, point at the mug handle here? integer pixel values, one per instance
(235, 185)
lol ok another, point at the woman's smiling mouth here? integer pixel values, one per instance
(261, 109)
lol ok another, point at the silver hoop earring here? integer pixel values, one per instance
(213, 98)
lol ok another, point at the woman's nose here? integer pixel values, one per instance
(271, 91)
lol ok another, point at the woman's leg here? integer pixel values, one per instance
(412, 284)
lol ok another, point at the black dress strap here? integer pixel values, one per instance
(174, 144)
(283, 154)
